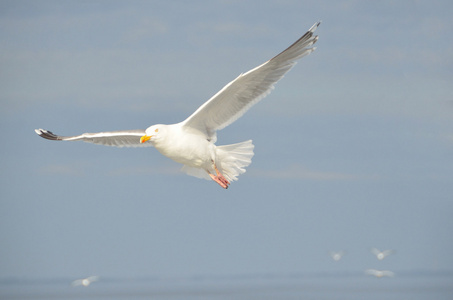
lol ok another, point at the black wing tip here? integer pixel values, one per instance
(315, 26)
(47, 134)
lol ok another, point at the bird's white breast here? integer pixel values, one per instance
(188, 148)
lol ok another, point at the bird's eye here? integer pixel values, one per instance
(157, 129)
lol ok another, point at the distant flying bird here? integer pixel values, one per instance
(379, 273)
(336, 256)
(381, 254)
(192, 142)
(85, 281)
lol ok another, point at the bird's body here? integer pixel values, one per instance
(379, 273)
(85, 281)
(185, 146)
(192, 141)
(337, 256)
(381, 254)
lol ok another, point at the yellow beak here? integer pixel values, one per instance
(144, 138)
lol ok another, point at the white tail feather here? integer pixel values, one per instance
(231, 160)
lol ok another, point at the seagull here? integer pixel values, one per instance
(336, 256)
(192, 141)
(379, 273)
(381, 254)
(85, 281)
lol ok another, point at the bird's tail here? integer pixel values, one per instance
(231, 160)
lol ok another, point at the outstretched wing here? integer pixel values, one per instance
(123, 138)
(388, 252)
(77, 282)
(238, 96)
(375, 251)
(93, 278)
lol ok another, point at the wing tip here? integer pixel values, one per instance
(314, 27)
(47, 134)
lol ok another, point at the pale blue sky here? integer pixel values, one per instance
(353, 148)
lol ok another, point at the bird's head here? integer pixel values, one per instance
(152, 133)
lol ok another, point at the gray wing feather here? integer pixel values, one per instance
(239, 95)
(123, 138)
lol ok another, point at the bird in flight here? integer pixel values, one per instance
(337, 255)
(381, 254)
(379, 273)
(85, 281)
(192, 141)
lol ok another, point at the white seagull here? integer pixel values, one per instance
(379, 273)
(381, 254)
(336, 256)
(85, 281)
(192, 141)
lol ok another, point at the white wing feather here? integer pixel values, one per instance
(379, 273)
(239, 95)
(93, 278)
(375, 251)
(384, 253)
(223, 108)
(124, 138)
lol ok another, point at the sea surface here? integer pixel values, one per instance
(281, 287)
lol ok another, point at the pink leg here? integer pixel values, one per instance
(219, 178)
